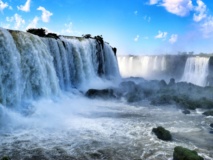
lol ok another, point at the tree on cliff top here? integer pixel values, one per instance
(38, 31)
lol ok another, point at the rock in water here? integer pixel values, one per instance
(100, 93)
(211, 125)
(5, 158)
(208, 113)
(162, 133)
(186, 111)
(181, 153)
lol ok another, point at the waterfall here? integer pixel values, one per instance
(196, 70)
(142, 66)
(32, 67)
(187, 69)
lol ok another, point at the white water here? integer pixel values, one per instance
(196, 70)
(43, 79)
(142, 66)
(78, 128)
(32, 67)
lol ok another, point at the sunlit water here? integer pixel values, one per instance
(74, 127)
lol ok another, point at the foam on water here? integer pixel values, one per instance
(80, 128)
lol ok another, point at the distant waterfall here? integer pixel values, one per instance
(196, 70)
(142, 66)
(32, 67)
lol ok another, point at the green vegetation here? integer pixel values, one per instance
(162, 133)
(181, 153)
(37, 31)
(5, 158)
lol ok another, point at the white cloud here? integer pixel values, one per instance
(33, 23)
(45, 14)
(161, 35)
(3, 5)
(152, 2)
(136, 38)
(173, 38)
(136, 13)
(18, 21)
(26, 7)
(200, 11)
(178, 7)
(207, 27)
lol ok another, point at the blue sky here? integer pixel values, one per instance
(133, 26)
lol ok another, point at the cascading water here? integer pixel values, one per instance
(142, 66)
(64, 124)
(196, 70)
(32, 67)
(183, 68)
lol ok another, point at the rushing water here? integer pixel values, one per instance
(196, 70)
(78, 128)
(142, 66)
(44, 114)
(193, 69)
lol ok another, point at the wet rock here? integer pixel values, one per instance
(100, 93)
(162, 83)
(162, 133)
(208, 113)
(5, 158)
(186, 111)
(114, 50)
(211, 125)
(162, 100)
(172, 81)
(181, 153)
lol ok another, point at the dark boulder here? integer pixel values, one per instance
(5, 158)
(186, 111)
(211, 125)
(208, 113)
(172, 81)
(162, 83)
(181, 153)
(162, 133)
(100, 93)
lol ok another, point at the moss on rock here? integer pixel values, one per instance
(181, 153)
(162, 133)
